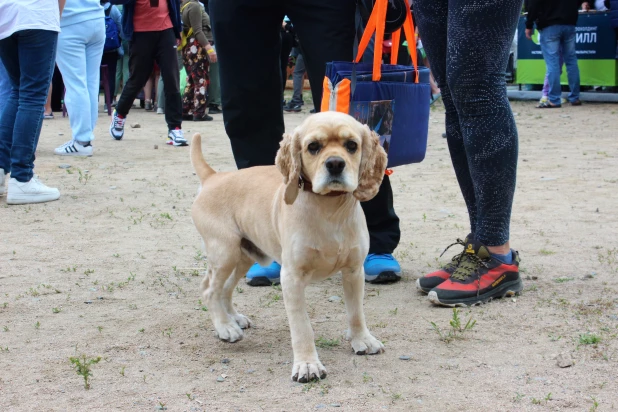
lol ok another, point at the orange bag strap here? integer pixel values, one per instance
(377, 23)
(396, 37)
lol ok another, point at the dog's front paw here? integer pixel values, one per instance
(242, 321)
(229, 332)
(365, 344)
(305, 371)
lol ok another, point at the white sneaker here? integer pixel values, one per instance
(30, 192)
(176, 138)
(74, 148)
(2, 178)
(116, 129)
(160, 110)
(544, 99)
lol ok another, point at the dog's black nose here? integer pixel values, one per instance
(335, 165)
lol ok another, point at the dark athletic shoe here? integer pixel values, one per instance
(293, 107)
(478, 279)
(433, 279)
(214, 109)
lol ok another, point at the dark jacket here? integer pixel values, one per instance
(545, 13)
(129, 9)
(613, 13)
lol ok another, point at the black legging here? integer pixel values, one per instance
(468, 43)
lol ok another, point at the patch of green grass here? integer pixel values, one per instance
(589, 339)
(322, 342)
(547, 252)
(563, 280)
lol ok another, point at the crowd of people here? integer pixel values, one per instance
(138, 40)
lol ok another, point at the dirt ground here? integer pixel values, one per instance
(112, 270)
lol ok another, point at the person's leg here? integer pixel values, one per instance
(214, 88)
(28, 56)
(142, 53)
(9, 91)
(248, 31)
(196, 66)
(166, 59)
(298, 78)
(5, 92)
(475, 63)
(570, 61)
(432, 20)
(545, 90)
(110, 60)
(148, 91)
(94, 52)
(48, 112)
(5, 86)
(160, 96)
(187, 96)
(122, 69)
(287, 41)
(72, 62)
(550, 46)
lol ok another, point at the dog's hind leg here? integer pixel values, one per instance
(228, 291)
(220, 268)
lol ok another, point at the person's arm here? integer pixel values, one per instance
(194, 15)
(115, 14)
(533, 13)
(61, 4)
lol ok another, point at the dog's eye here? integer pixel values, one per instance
(313, 147)
(351, 146)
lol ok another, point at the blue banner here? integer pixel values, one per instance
(595, 38)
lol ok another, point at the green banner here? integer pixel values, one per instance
(591, 72)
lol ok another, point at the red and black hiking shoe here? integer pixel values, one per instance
(433, 279)
(478, 279)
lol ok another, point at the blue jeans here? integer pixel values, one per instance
(28, 56)
(5, 86)
(554, 39)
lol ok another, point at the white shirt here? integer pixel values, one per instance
(17, 15)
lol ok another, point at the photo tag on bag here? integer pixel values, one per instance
(378, 115)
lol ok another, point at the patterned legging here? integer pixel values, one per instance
(467, 43)
(195, 98)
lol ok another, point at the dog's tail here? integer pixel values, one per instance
(202, 169)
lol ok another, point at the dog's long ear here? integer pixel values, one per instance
(373, 164)
(289, 163)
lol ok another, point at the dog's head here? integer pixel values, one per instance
(336, 153)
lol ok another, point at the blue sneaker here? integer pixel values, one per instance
(382, 268)
(264, 276)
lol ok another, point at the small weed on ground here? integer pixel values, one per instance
(82, 367)
(456, 330)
